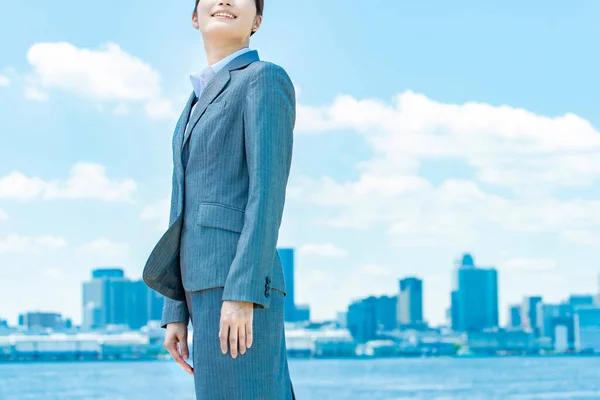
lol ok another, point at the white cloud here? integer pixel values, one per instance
(107, 74)
(582, 236)
(322, 249)
(121, 109)
(15, 243)
(86, 181)
(527, 156)
(158, 212)
(33, 93)
(106, 248)
(52, 273)
(161, 108)
(509, 146)
(528, 264)
(4, 80)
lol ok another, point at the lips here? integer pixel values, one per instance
(224, 14)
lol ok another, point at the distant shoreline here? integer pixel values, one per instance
(167, 359)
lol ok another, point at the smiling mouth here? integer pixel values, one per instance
(224, 15)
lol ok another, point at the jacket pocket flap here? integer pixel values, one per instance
(220, 216)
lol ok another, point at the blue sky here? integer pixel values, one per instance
(424, 130)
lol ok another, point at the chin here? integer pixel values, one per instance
(222, 32)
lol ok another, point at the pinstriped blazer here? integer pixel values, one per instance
(230, 172)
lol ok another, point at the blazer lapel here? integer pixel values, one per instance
(215, 87)
(183, 120)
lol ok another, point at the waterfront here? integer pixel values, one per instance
(351, 379)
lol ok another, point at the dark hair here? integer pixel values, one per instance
(260, 6)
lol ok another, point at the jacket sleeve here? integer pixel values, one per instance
(269, 118)
(174, 310)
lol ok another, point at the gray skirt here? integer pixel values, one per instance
(260, 374)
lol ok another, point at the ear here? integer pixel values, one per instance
(257, 22)
(195, 21)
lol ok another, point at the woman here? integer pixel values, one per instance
(232, 151)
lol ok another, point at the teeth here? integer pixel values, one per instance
(224, 15)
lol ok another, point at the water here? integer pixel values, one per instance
(385, 379)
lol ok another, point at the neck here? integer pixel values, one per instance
(218, 51)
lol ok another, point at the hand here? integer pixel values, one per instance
(177, 333)
(236, 325)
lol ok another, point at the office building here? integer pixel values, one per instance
(552, 318)
(110, 298)
(302, 313)
(514, 317)
(32, 320)
(475, 299)
(529, 314)
(576, 300)
(386, 309)
(587, 328)
(368, 317)
(362, 319)
(287, 260)
(410, 303)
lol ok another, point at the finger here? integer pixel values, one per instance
(249, 334)
(233, 341)
(185, 351)
(223, 335)
(174, 351)
(242, 339)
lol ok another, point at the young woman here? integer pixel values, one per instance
(217, 263)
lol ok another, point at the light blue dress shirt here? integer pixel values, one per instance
(200, 79)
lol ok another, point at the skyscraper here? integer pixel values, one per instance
(386, 311)
(587, 328)
(581, 300)
(529, 317)
(514, 314)
(287, 259)
(410, 302)
(362, 319)
(551, 316)
(110, 298)
(475, 297)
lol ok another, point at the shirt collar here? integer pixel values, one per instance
(200, 79)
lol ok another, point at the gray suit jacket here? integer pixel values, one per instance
(231, 168)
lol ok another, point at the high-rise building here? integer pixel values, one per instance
(302, 313)
(367, 317)
(410, 302)
(514, 315)
(581, 300)
(386, 310)
(552, 318)
(108, 273)
(529, 314)
(110, 298)
(587, 328)
(362, 319)
(155, 305)
(454, 310)
(475, 297)
(287, 259)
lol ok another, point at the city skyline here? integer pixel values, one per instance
(409, 298)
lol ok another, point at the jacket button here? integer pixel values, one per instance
(267, 294)
(268, 280)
